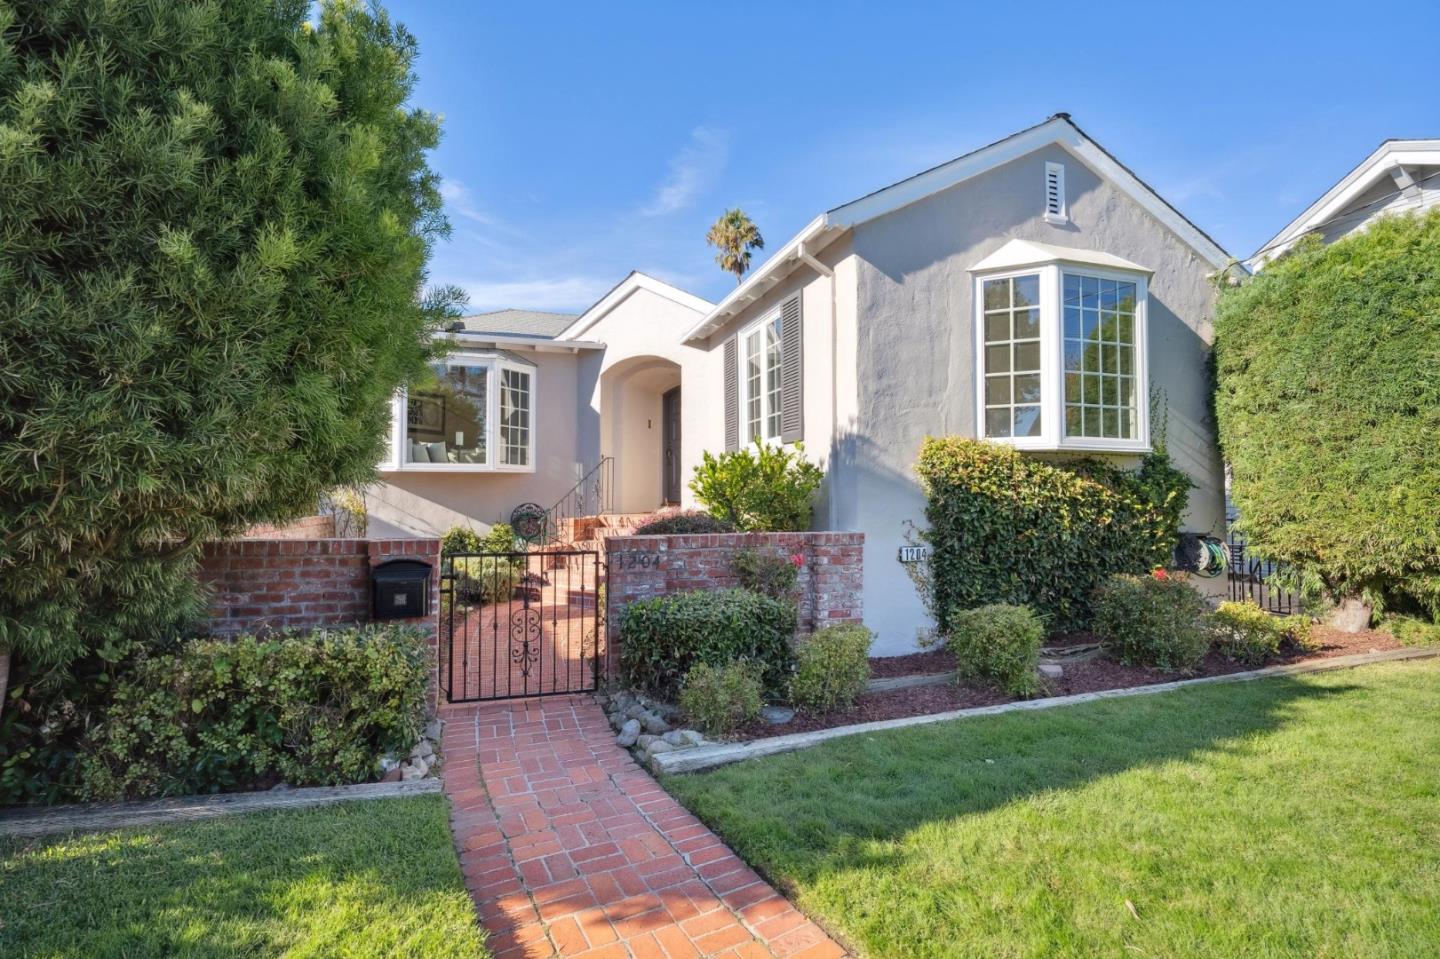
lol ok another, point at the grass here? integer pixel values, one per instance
(358, 879)
(1295, 817)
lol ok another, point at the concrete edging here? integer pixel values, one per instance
(707, 757)
(97, 816)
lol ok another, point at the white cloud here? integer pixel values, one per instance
(561, 293)
(459, 201)
(697, 165)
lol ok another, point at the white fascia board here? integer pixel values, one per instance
(1022, 253)
(623, 291)
(1057, 130)
(812, 237)
(472, 340)
(1391, 154)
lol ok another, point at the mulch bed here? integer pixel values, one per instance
(1098, 674)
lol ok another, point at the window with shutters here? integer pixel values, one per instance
(1061, 358)
(761, 377)
(1055, 210)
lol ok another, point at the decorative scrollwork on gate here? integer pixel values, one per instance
(525, 639)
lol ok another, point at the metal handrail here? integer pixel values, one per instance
(592, 496)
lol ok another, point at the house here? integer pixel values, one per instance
(1034, 292)
(1401, 176)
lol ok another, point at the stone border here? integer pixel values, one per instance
(98, 816)
(707, 757)
(892, 683)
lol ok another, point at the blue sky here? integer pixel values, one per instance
(586, 140)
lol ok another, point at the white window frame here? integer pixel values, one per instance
(1052, 374)
(400, 421)
(767, 413)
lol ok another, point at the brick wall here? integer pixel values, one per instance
(830, 581)
(264, 585)
(308, 527)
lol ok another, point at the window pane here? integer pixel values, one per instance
(997, 327)
(1074, 354)
(1089, 292)
(997, 390)
(446, 415)
(997, 421)
(1027, 421)
(1072, 387)
(1090, 324)
(1125, 424)
(1112, 423)
(997, 294)
(1072, 421)
(1108, 296)
(772, 379)
(997, 358)
(1127, 328)
(1109, 391)
(1092, 388)
(1027, 388)
(1072, 321)
(1072, 290)
(1127, 297)
(1108, 352)
(1027, 356)
(1027, 290)
(1125, 359)
(1091, 423)
(1027, 324)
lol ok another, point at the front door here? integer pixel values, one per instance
(670, 447)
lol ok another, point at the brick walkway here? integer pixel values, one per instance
(570, 849)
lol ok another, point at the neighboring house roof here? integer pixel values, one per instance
(622, 291)
(538, 323)
(1393, 160)
(1058, 129)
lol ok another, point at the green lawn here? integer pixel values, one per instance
(1290, 817)
(375, 878)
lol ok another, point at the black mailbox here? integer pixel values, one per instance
(401, 589)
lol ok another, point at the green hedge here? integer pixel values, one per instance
(661, 638)
(309, 709)
(999, 646)
(1006, 528)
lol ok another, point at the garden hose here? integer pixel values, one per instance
(1204, 556)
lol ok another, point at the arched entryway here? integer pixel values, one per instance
(640, 427)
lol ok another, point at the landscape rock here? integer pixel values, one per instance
(634, 711)
(422, 750)
(654, 724)
(692, 737)
(433, 730)
(777, 715)
(658, 746)
(391, 775)
(409, 772)
(1052, 670)
(644, 741)
(675, 738)
(629, 733)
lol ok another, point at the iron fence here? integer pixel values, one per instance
(1259, 580)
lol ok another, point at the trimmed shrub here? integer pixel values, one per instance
(998, 645)
(481, 580)
(768, 573)
(1006, 529)
(721, 699)
(662, 638)
(759, 489)
(500, 538)
(1246, 633)
(1328, 407)
(1152, 621)
(832, 667)
(1410, 631)
(679, 524)
(309, 708)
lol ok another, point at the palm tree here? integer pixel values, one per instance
(735, 235)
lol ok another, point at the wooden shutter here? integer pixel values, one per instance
(792, 372)
(732, 394)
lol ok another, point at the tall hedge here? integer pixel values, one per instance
(1005, 528)
(213, 236)
(1328, 367)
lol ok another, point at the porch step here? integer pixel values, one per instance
(578, 529)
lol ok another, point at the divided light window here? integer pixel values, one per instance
(469, 413)
(760, 377)
(1061, 358)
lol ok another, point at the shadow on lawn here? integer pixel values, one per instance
(812, 812)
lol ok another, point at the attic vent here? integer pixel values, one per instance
(1055, 193)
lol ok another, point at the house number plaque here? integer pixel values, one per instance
(914, 554)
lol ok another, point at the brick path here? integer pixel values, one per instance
(570, 849)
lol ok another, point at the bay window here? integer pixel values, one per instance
(471, 412)
(1060, 344)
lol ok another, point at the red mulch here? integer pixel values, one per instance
(1098, 674)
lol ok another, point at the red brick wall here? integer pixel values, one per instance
(830, 581)
(307, 527)
(263, 585)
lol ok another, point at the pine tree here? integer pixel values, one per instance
(215, 219)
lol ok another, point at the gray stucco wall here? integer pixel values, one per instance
(915, 352)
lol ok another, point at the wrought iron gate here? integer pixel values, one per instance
(521, 624)
(1258, 580)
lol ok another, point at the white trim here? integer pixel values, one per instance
(1386, 157)
(1052, 436)
(1019, 253)
(469, 339)
(494, 363)
(623, 291)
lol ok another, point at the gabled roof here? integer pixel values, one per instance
(537, 323)
(622, 291)
(1388, 158)
(1058, 129)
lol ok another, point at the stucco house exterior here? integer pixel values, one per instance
(1033, 292)
(1400, 176)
